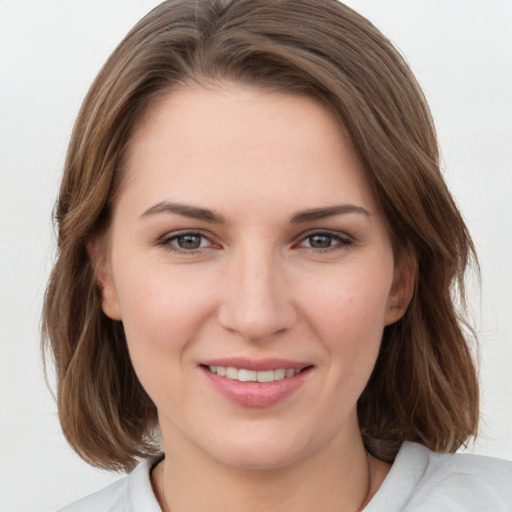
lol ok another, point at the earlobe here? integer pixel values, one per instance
(104, 281)
(402, 288)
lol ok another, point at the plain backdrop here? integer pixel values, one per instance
(50, 51)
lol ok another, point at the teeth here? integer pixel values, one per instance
(265, 376)
(232, 373)
(279, 374)
(246, 375)
(243, 375)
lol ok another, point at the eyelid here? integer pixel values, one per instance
(165, 240)
(343, 239)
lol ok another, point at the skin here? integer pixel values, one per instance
(259, 286)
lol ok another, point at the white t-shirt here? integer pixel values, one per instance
(419, 481)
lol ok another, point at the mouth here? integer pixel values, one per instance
(256, 384)
(246, 375)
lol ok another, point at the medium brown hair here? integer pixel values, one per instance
(424, 385)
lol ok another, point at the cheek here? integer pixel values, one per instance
(352, 302)
(162, 314)
(161, 310)
(348, 315)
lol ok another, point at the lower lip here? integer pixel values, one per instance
(256, 394)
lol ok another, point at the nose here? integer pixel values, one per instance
(256, 300)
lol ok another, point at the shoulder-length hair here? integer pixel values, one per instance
(424, 386)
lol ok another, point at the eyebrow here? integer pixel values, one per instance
(193, 212)
(330, 211)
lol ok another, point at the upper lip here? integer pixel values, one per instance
(257, 364)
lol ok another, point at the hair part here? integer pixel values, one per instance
(424, 386)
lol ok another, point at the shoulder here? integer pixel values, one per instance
(421, 481)
(468, 482)
(128, 494)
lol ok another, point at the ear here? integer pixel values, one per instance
(103, 275)
(402, 288)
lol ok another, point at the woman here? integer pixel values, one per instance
(256, 252)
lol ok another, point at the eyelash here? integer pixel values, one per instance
(167, 240)
(340, 241)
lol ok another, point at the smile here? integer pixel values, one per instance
(256, 384)
(244, 375)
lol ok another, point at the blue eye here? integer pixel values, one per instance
(325, 240)
(186, 241)
(320, 241)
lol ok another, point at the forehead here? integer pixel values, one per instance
(211, 143)
(237, 113)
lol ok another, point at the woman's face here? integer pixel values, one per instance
(253, 274)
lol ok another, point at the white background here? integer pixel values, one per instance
(50, 51)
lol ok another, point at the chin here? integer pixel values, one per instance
(261, 452)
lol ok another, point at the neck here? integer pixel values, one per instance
(341, 477)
